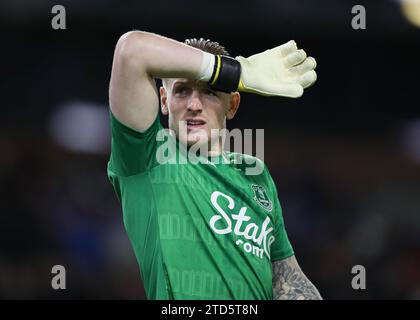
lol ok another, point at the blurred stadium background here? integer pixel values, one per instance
(345, 157)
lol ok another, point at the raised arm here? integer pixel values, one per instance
(290, 283)
(141, 56)
(138, 58)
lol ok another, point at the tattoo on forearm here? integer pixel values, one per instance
(290, 283)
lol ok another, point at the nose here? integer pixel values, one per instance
(194, 103)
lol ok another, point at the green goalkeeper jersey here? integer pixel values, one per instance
(203, 230)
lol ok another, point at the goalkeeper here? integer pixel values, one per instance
(202, 230)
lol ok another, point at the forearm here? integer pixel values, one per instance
(139, 57)
(158, 56)
(290, 283)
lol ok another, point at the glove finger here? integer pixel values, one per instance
(295, 58)
(307, 79)
(307, 65)
(287, 48)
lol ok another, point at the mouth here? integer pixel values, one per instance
(193, 124)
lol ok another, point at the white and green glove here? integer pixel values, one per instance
(281, 71)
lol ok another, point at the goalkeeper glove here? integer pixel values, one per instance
(281, 71)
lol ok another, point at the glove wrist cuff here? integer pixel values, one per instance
(226, 74)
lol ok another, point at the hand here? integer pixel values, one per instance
(281, 71)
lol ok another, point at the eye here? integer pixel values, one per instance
(181, 90)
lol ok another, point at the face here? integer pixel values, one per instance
(194, 109)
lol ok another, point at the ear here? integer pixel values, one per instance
(235, 100)
(163, 100)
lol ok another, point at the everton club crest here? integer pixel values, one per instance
(260, 195)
